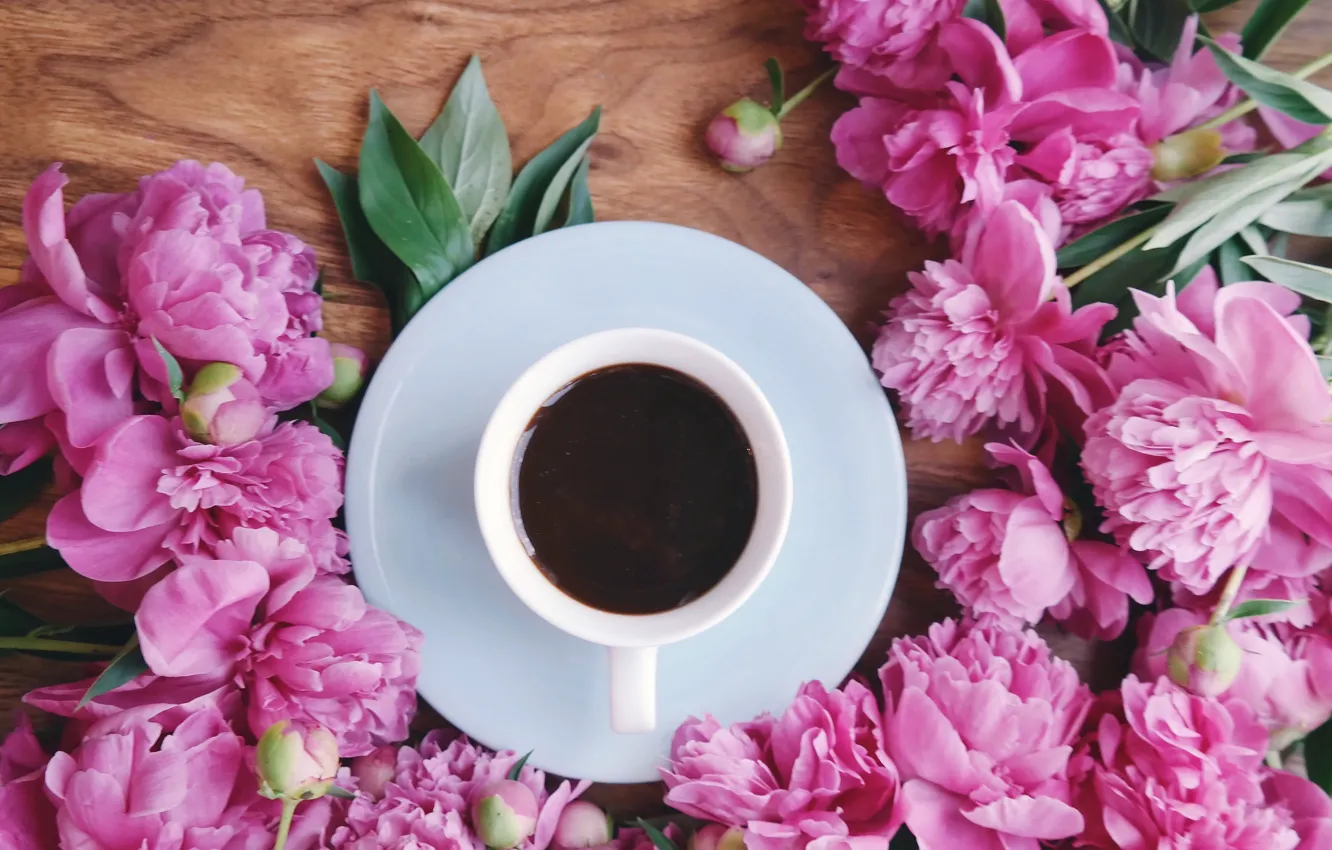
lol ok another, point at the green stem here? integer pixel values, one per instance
(1228, 594)
(1107, 258)
(31, 644)
(1244, 107)
(284, 825)
(25, 545)
(801, 96)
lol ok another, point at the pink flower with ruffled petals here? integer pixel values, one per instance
(1092, 180)
(428, 801)
(153, 493)
(1221, 424)
(1027, 21)
(978, 342)
(893, 39)
(981, 722)
(1166, 769)
(27, 819)
(1309, 806)
(817, 776)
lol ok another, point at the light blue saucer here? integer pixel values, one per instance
(492, 667)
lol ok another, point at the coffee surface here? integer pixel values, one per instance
(635, 489)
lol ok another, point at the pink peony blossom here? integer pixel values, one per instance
(1309, 806)
(817, 776)
(1220, 426)
(1092, 180)
(27, 819)
(1170, 770)
(427, 802)
(153, 494)
(977, 341)
(1026, 21)
(981, 721)
(1286, 677)
(893, 39)
(1005, 553)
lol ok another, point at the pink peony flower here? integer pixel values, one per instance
(1005, 553)
(153, 494)
(894, 39)
(817, 776)
(1286, 677)
(27, 819)
(1092, 180)
(977, 341)
(981, 721)
(1026, 21)
(1171, 770)
(427, 802)
(1309, 806)
(1219, 427)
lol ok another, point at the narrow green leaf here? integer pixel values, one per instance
(988, 12)
(1260, 608)
(1280, 245)
(1318, 756)
(126, 666)
(1253, 240)
(1137, 269)
(1325, 366)
(1306, 218)
(659, 839)
(29, 560)
(1106, 237)
(1306, 279)
(580, 197)
(175, 377)
(1243, 158)
(20, 489)
(1158, 24)
(1297, 98)
(1119, 30)
(517, 769)
(409, 204)
(341, 793)
(517, 220)
(1227, 261)
(15, 621)
(559, 186)
(777, 82)
(1233, 220)
(1267, 23)
(326, 428)
(471, 147)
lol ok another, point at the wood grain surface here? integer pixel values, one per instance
(115, 90)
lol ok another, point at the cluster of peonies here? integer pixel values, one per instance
(154, 339)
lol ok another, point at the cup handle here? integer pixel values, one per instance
(633, 689)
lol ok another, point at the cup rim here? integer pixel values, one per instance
(494, 496)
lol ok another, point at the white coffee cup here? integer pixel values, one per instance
(632, 639)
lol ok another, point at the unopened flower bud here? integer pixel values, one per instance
(296, 761)
(581, 825)
(714, 836)
(1187, 154)
(375, 770)
(744, 136)
(505, 814)
(1205, 659)
(222, 407)
(349, 368)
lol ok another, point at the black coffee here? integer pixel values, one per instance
(635, 489)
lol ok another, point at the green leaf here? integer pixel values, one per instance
(1253, 240)
(1106, 237)
(19, 489)
(15, 621)
(659, 839)
(1228, 266)
(989, 12)
(471, 147)
(580, 197)
(1306, 218)
(1325, 366)
(1243, 158)
(1138, 268)
(1260, 608)
(175, 377)
(1158, 24)
(904, 840)
(559, 185)
(409, 204)
(1318, 756)
(340, 793)
(126, 666)
(1297, 98)
(517, 220)
(29, 560)
(517, 769)
(1119, 30)
(777, 81)
(1306, 279)
(1267, 23)
(326, 428)
(1233, 220)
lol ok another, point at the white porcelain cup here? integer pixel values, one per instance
(632, 639)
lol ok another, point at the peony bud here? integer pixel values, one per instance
(1187, 154)
(296, 761)
(1205, 659)
(581, 824)
(374, 771)
(505, 814)
(349, 368)
(744, 136)
(222, 407)
(714, 836)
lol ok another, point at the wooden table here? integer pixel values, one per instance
(120, 89)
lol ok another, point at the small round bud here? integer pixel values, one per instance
(715, 836)
(349, 368)
(1187, 154)
(296, 761)
(375, 770)
(1205, 659)
(505, 814)
(744, 136)
(581, 825)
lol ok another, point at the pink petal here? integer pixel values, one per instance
(1285, 389)
(27, 333)
(120, 490)
(194, 621)
(1034, 562)
(1094, 113)
(160, 783)
(1014, 261)
(934, 816)
(1029, 817)
(79, 380)
(44, 228)
(22, 443)
(1069, 60)
(99, 554)
(928, 746)
(981, 60)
